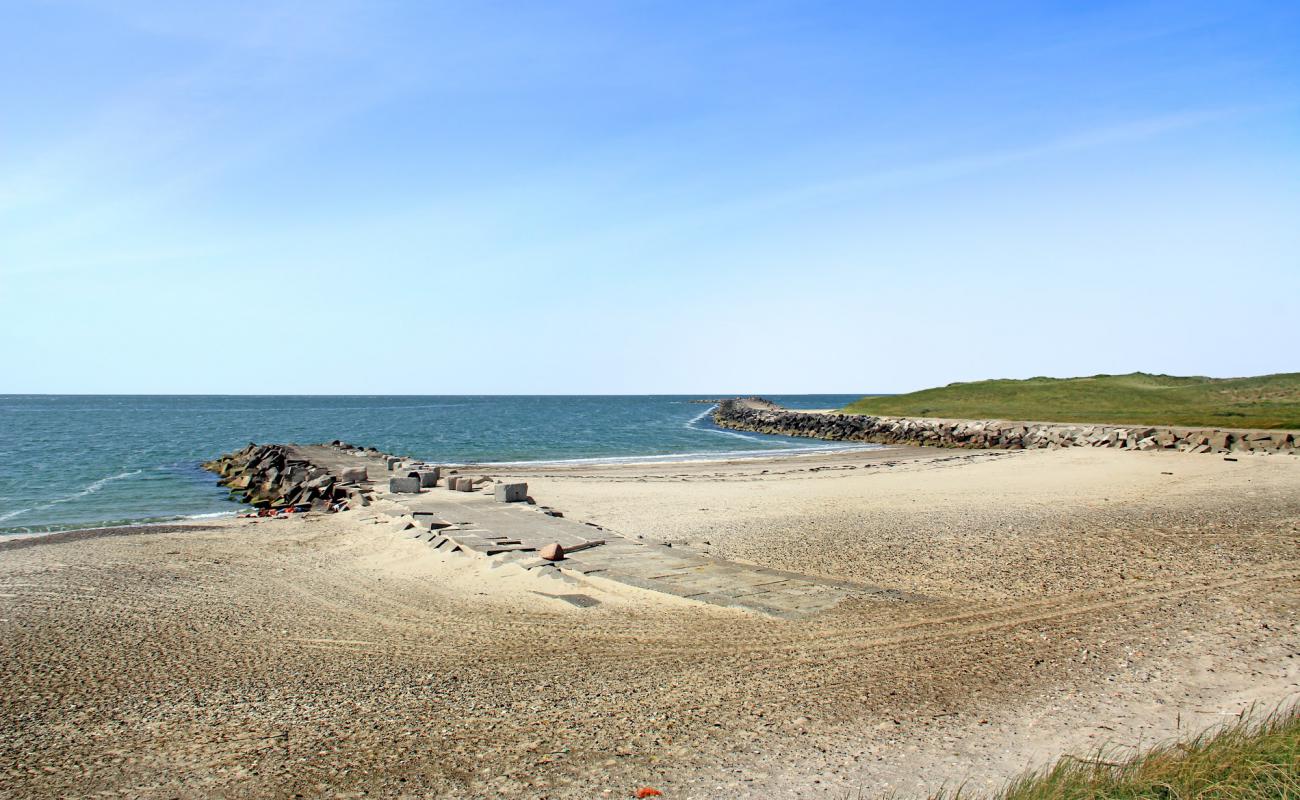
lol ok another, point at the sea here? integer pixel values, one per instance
(84, 461)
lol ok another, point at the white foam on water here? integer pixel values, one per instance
(89, 490)
(213, 515)
(690, 425)
(732, 434)
(12, 514)
(149, 522)
(700, 416)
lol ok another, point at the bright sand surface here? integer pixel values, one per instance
(1061, 600)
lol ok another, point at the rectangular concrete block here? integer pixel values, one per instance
(429, 477)
(464, 485)
(392, 462)
(356, 474)
(511, 492)
(404, 485)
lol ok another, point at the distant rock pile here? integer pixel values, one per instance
(762, 416)
(270, 478)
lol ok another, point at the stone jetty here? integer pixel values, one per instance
(757, 415)
(273, 477)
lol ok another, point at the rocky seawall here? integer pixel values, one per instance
(762, 416)
(271, 477)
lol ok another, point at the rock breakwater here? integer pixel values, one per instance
(272, 477)
(761, 416)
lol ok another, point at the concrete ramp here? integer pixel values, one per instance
(475, 522)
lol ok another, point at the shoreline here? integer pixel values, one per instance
(20, 540)
(723, 457)
(148, 522)
(703, 457)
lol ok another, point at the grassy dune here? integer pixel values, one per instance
(1243, 761)
(1268, 401)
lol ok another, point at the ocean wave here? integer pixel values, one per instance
(732, 434)
(12, 514)
(691, 425)
(95, 525)
(88, 490)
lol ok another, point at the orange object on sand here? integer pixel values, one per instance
(647, 791)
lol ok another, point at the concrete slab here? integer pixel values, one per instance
(512, 533)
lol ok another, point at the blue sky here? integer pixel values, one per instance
(388, 197)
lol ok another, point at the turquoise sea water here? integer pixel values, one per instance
(80, 461)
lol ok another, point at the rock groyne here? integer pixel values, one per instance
(762, 416)
(271, 476)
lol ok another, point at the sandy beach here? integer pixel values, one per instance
(1057, 601)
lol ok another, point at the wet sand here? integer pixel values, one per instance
(1064, 599)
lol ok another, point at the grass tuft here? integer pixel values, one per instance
(1249, 759)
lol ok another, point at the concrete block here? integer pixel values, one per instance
(356, 474)
(512, 492)
(464, 485)
(404, 485)
(429, 477)
(392, 463)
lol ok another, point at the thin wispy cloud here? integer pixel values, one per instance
(943, 169)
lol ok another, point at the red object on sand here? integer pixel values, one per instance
(647, 791)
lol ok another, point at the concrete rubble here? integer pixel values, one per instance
(268, 478)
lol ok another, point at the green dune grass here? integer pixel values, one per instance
(1267, 401)
(1247, 760)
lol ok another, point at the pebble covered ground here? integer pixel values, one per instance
(1067, 599)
